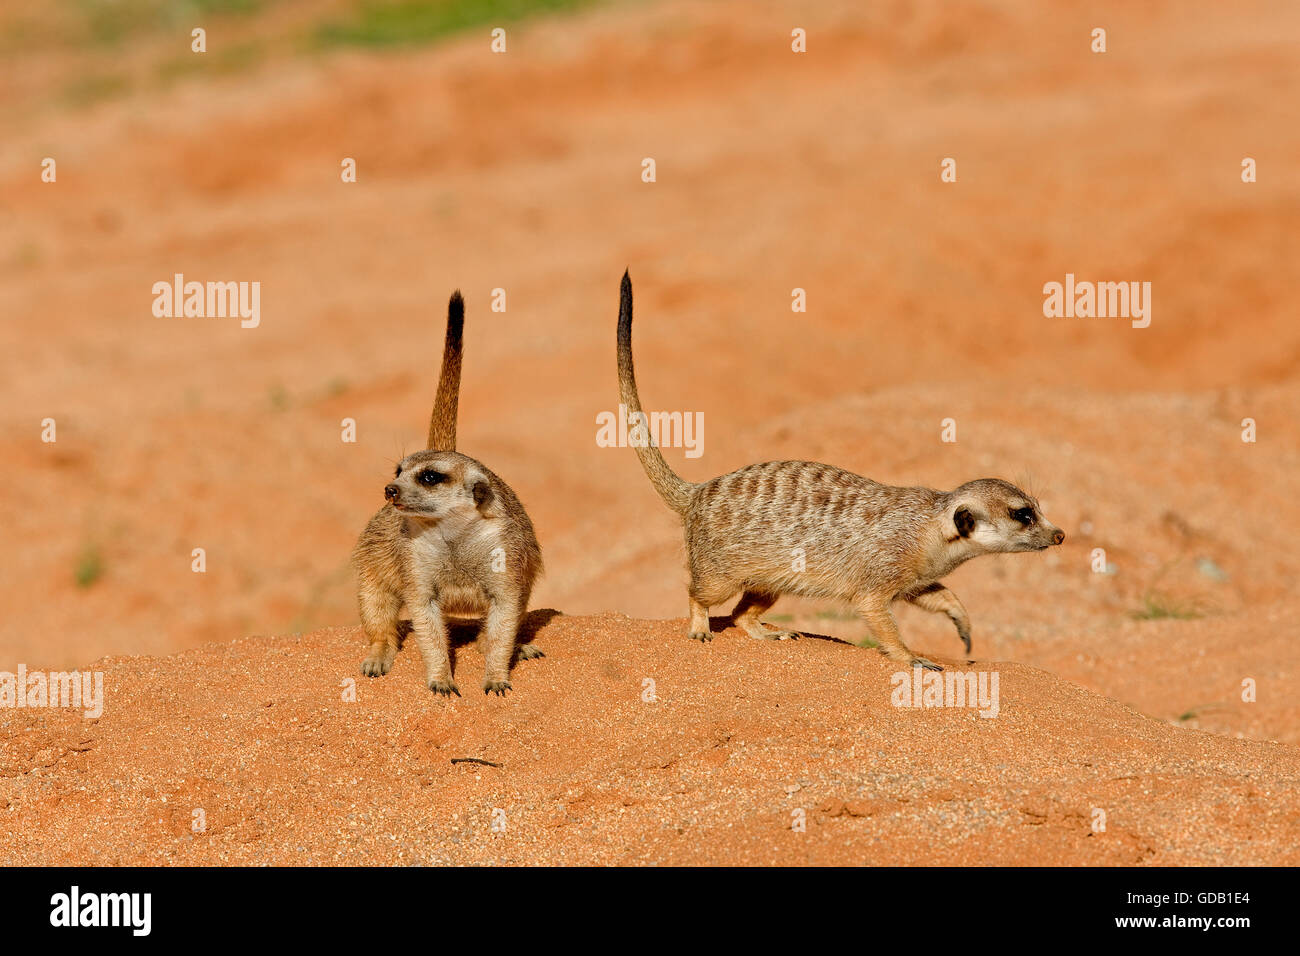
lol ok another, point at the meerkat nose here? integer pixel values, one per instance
(1058, 536)
(391, 492)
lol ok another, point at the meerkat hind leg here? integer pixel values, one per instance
(699, 629)
(525, 651)
(751, 606)
(707, 588)
(885, 631)
(379, 617)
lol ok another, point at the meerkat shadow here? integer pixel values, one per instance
(719, 624)
(534, 622)
(827, 637)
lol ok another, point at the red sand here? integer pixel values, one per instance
(742, 735)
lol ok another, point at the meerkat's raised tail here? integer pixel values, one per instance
(442, 424)
(675, 492)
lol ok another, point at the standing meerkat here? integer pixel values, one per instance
(451, 542)
(800, 527)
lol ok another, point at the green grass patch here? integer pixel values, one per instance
(1158, 607)
(90, 566)
(225, 60)
(111, 22)
(835, 615)
(227, 6)
(1196, 712)
(379, 23)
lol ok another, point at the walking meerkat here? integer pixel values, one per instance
(800, 527)
(452, 542)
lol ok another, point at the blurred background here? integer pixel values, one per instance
(775, 170)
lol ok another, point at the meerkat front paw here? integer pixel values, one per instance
(767, 635)
(702, 636)
(528, 652)
(498, 687)
(377, 665)
(904, 656)
(445, 687)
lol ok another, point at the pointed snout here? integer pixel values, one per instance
(391, 492)
(1058, 536)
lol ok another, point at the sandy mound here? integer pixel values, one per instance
(743, 740)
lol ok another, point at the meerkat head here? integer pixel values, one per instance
(997, 516)
(435, 485)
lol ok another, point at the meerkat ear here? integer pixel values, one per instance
(964, 521)
(482, 492)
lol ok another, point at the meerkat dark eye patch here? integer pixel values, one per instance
(398, 472)
(429, 478)
(1023, 515)
(964, 521)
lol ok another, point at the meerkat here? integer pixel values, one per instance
(804, 528)
(452, 542)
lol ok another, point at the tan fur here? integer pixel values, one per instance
(801, 527)
(453, 542)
